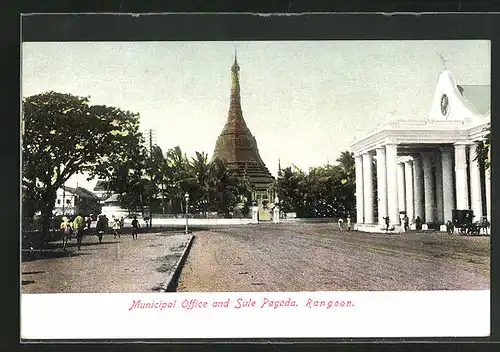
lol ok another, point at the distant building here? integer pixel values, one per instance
(111, 207)
(101, 190)
(71, 201)
(427, 167)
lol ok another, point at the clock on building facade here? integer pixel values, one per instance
(445, 105)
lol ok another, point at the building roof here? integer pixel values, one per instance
(479, 96)
(81, 192)
(101, 185)
(111, 199)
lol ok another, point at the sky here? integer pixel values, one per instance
(304, 101)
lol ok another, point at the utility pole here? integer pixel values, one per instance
(152, 182)
(64, 196)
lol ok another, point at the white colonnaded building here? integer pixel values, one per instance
(426, 167)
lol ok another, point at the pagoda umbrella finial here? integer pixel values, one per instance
(236, 67)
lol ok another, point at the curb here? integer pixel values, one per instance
(167, 286)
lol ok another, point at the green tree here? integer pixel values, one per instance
(483, 149)
(178, 178)
(225, 187)
(200, 187)
(324, 191)
(64, 135)
(156, 166)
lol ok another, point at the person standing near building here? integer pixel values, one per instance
(406, 223)
(387, 222)
(135, 227)
(340, 222)
(79, 226)
(348, 223)
(418, 223)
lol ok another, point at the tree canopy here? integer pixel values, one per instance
(64, 135)
(324, 191)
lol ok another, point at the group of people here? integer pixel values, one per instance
(341, 223)
(405, 222)
(79, 226)
(76, 227)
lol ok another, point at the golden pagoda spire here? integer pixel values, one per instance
(235, 72)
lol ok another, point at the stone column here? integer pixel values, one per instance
(418, 179)
(392, 186)
(439, 188)
(401, 187)
(359, 190)
(429, 196)
(368, 187)
(461, 177)
(475, 184)
(409, 189)
(381, 185)
(487, 180)
(447, 182)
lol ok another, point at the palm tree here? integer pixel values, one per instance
(225, 187)
(156, 170)
(200, 180)
(177, 171)
(346, 161)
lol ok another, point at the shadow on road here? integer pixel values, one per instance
(58, 245)
(28, 256)
(32, 272)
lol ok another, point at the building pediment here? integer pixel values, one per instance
(452, 119)
(459, 102)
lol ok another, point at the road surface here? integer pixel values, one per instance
(114, 266)
(317, 257)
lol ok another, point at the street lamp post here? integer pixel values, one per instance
(186, 196)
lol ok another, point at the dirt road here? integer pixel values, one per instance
(317, 257)
(114, 266)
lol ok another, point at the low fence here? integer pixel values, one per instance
(35, 238)
(178, 222)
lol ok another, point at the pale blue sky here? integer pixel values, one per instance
(304, 101)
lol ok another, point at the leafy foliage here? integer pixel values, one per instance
(324, 191)
(483, 150)
(212, 187)
(64, 135)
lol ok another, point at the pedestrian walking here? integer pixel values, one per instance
(66, 229)
(116, 227)
(88, 221)
(135, 227)
(348, 223)
(79, 226)
(340, 222)
(101, 227)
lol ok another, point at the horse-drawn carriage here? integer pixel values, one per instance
(463, 221)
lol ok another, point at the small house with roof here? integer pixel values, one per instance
(71, 201)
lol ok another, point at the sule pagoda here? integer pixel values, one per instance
(238, 147)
